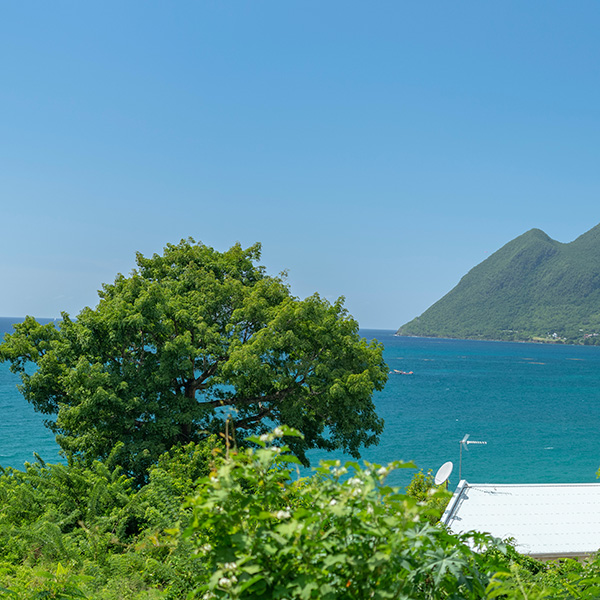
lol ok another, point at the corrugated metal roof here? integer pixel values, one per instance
(544, 519)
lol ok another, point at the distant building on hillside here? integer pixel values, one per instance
(546, 521)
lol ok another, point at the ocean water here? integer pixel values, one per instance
(536, 406)
(22, 430)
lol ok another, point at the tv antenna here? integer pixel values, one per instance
(443, 473)
(465, 442)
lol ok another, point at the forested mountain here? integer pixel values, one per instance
(533, 288)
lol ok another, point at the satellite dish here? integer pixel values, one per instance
(443, 473)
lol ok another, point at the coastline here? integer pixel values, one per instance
(479, 339)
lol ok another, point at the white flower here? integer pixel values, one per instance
(354, 481)
(264, 437)
(382, 471)
(206, 548)
(225, 582)
(370, 510)
(332, 502)
(283, 514)
(278, 432)
(339, 471)
(231, 566)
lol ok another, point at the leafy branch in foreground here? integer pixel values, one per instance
(342, 533)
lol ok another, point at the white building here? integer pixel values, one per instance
(546, 521)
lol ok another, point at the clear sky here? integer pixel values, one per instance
(377, 150)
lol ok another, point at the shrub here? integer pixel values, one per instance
(342, 534)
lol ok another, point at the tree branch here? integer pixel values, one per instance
(193, 385)
(279, 395)
(262, 413)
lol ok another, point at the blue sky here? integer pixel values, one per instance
(377, 150)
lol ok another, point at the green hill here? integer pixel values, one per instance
(533, 288)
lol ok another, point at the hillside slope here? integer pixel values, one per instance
(530, 289)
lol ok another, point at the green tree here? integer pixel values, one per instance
(189, 337)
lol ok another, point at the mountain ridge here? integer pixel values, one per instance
(533, 288)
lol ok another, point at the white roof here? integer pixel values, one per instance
(554, 519)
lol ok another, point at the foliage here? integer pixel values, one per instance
(534, 288)
(432, 497)
(60, 584)
(343, 534)
(252, 529)
(191, 336)
(86, 529)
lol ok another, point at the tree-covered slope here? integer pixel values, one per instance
(532, 288)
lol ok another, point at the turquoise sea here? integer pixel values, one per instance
(22, 430)
(536, 406)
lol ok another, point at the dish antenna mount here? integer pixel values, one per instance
(465, 442)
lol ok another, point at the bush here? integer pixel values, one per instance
(342, 534)
(434, 498)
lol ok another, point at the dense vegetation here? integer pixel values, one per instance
(533, 289)
(191, 336)
(214, 522)
(85, 530)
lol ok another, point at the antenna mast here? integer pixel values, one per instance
(465, 442)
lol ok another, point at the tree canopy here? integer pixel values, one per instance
(191, 336)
